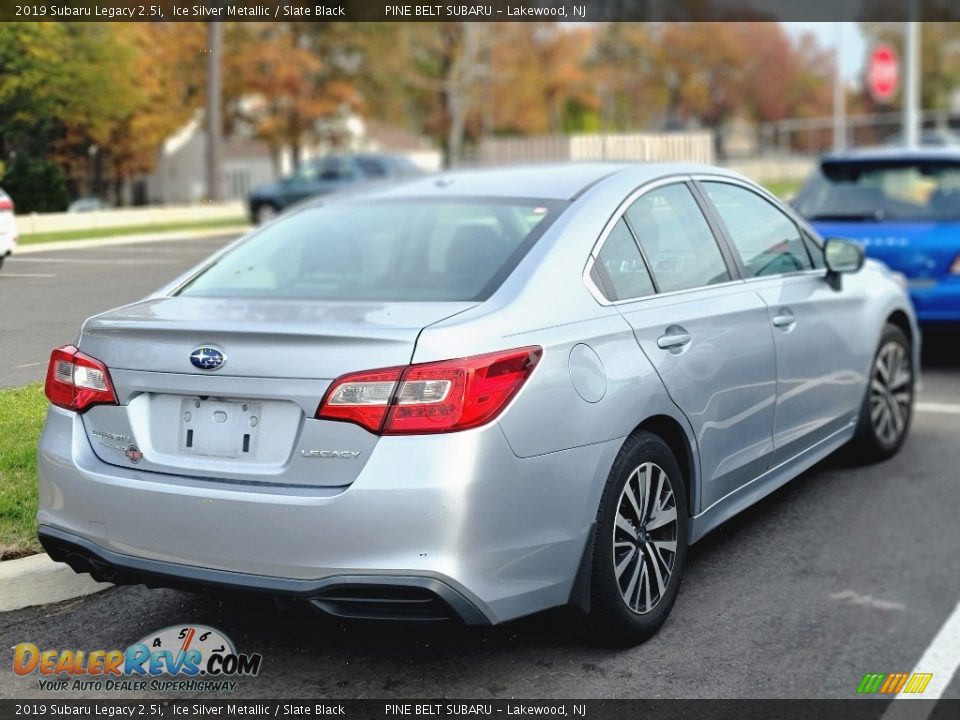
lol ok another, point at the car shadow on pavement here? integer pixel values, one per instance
(940, 348)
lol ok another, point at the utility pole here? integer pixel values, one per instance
(911, 103)
(839, 93)
(214, 124)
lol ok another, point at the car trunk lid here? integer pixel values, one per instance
(252, 419)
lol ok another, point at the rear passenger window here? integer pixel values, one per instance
(676, 239)
(768, 241)
(622, 272)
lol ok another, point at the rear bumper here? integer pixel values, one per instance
(368, 597)
(506, 534)
(937, 303)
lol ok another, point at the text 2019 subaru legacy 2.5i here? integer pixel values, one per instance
(474, 396)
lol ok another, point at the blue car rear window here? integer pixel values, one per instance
(917, 190)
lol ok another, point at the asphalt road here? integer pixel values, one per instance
(846, 570)
(45, 297)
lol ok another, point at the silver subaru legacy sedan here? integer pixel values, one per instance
(473, 396)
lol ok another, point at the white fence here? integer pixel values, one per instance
(766, 169)
(642, 147)
(124, 217)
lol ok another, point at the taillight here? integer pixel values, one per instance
(435, 397)
(362, 397)
(6, 203)
(76, 381)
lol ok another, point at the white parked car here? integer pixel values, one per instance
(8, 227)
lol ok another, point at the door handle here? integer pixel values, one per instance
(784, 319)
(674, 337)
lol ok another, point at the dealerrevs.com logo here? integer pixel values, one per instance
(180, 657)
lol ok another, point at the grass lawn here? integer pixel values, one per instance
(21, 417)
(33, 238)
(783, 188)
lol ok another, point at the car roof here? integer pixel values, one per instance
(558, 181)
(881, 154)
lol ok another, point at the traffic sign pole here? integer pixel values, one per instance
(911, 105)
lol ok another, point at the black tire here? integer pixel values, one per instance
(873, 442)
(610, 619)
(265, 212)
(2, 258)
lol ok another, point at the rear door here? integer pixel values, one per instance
(705, 332)
(819, 373)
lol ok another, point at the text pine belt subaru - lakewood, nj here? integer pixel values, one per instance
(473, 396)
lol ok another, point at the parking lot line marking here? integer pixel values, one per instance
(27, 275)
(947, 408)
(26, 365)
(942, 657)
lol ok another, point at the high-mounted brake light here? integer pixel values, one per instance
(435, 397)
(76, 381)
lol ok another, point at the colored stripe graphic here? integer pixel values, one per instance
(918, 682)
(894, 683)
(871, 683)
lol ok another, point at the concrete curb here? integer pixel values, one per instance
(129, 239)
(38, 580)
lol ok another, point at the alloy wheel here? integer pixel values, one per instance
(645, 537)
(891, 392)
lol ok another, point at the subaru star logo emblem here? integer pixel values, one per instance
(207, 358)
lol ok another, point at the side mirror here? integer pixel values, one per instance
(842, 256)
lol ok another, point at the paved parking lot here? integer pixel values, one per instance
(45, 296)
(846, 570)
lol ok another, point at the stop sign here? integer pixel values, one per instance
(883, 73)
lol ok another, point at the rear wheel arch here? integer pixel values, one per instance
(675, 436)
(672, 432)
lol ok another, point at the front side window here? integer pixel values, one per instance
(769, 242)
(398, 249)
(676, 239)
(372, 167)
(622, 272)
(335, 168)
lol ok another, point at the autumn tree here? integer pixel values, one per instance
(288, 82)
(74, 92)
(539, 79)
(145, 87)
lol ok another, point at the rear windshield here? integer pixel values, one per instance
(897, 190)
(449, 249)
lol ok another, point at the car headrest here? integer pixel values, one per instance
(851, 199)
(472, 247)
(331, 253)
(945, 200)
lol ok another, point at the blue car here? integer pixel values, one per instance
(903, 207)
